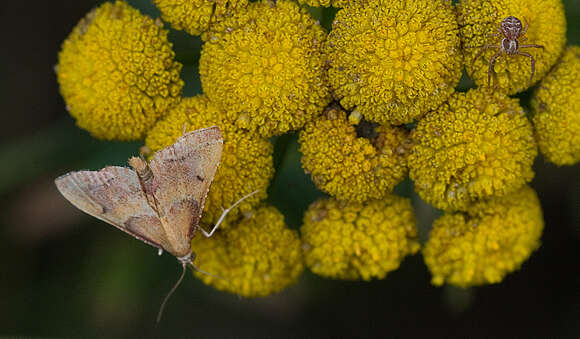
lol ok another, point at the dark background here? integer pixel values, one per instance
(63, 273)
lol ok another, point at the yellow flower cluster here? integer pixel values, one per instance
(349, 167)
(246, 164)
(479, 21)
(477, 145)
(394, 60)
(556, 103)
(256, 257)
(117, 72)
(196, 16)
(265, 67)
(358, 241)
(484, 244)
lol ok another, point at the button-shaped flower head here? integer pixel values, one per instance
(257, 256)
(491, 239)
(328, 3)
(557, 110)
(477, 145)
(358, 241)
(246, 164)
(117, 72)
(352, 167)
(394, 60)
(196, 16)
(265, 67)
(515, 25)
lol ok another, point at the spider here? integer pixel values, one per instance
(511, 29)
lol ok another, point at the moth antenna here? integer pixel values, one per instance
(160, 314)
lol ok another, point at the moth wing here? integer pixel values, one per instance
(183, 174)
(115, 196)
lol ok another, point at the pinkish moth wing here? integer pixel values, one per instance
(114, 195)
(182, 174)
(162, 205)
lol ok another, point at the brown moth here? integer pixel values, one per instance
(160, 202)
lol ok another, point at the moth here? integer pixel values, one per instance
(158, 202)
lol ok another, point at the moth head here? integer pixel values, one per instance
(185, 260)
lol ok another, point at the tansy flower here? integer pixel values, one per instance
(477, 145)
(394, 60)
(358, 241)
(485, 243)
(327, 3)
(195, 16)
(256, 257)
(264, 66)
(246, 164)
(479, 21)
(350, 167)
(557, 110)
(117, 72)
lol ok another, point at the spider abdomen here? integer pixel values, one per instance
(510, 46)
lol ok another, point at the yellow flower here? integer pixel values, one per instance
(394, 60)
(358, 241)
(257, 257)
(484, 244)
(479, 20)
(557, 110)
(477, 145)
(246, 164)
(117, 72)
(350, 167)
(264, 66)
(327, 3)
(196, 16)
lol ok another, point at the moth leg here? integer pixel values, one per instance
(225, 212)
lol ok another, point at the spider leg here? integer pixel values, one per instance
(492, 35)
(491, 71)
(483, 49)
(525, 27)
(532, 46)
(524, 39)
(533, 63)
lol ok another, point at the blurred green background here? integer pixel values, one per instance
(64, 273)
